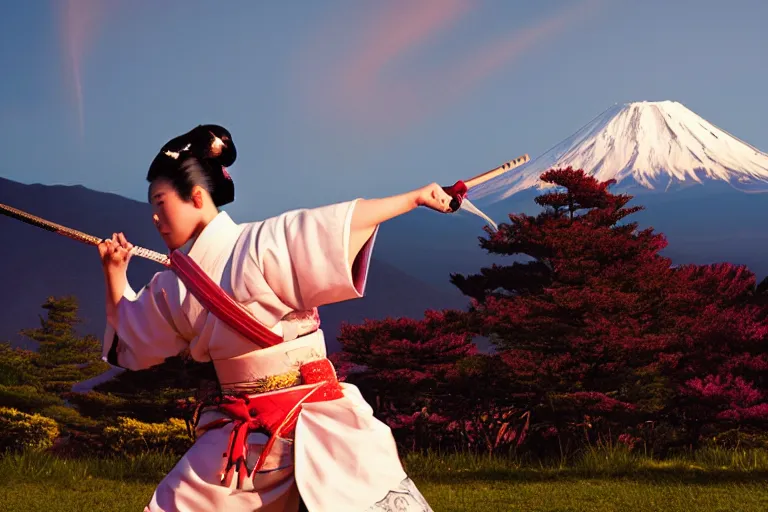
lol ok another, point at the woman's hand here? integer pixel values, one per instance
(115, 254)
(433, 196)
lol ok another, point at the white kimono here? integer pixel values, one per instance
(341, 458)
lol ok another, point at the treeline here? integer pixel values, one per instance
(596, 336)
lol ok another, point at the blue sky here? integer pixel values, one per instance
(335, 99)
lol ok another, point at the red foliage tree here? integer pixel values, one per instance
(717, 360)
(601, 333)
(403, 367)
(596, 333)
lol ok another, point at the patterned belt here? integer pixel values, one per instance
(275, 414)
(266, 384)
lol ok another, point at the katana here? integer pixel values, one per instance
(457, 191)
(77, 235)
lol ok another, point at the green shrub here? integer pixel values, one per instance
(155, 407)
(132, 437)
(27, 398)
(96, 405)
(20, 431)
(16, 366)
(58, 386)
(737, 439)
(71, 373)
(66, 416)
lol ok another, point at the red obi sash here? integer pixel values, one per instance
(275, 413)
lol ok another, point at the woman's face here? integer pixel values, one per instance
(174, 218)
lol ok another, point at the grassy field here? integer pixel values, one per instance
(604, 480)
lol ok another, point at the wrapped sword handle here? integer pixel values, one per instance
(458, 192)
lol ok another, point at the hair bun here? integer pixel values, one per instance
(205, 141)
(209, 147)
(213, 142)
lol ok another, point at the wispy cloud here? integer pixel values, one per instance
(393, 33)
(487, 61)
(373, 85)
(80, 21)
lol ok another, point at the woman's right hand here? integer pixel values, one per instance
(115, 253)
(433, 196)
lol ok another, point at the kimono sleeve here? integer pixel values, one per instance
(302, 257)
(144, 334)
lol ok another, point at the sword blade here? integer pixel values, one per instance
(74, 234)
(467, 205)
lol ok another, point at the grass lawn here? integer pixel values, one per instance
(725, 481)
(595, 495)
(483, 496)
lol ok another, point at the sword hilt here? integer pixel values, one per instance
(149, 254)
(457, 191)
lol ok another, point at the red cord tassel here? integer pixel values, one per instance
(275, 414)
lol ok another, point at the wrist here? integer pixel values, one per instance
(114, 274)
(112, 315)
(417, 197)
(117, 280)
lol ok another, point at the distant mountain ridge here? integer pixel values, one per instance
(35, 264)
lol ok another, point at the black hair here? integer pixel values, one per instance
(198, 157)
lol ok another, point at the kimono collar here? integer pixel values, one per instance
(220, 226)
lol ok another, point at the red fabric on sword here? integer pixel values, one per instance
(219, 304)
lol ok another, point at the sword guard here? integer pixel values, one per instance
(457, 191)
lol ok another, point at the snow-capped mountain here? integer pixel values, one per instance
(651, 145)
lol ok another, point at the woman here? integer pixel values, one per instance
(283, 434)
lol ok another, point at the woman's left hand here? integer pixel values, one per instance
(433, 196)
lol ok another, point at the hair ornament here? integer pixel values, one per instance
(175, 154)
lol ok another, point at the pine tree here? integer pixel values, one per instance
(38, 381)
(64, 357)
(600, 333)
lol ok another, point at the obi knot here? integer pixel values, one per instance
(274, 414)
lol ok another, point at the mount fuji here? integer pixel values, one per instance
(699, 186)
(644, 146)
